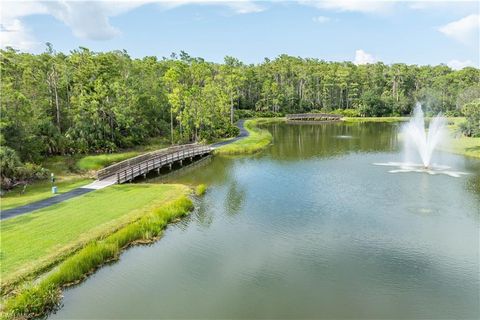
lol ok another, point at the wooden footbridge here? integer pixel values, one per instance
(128, 170)
(313, 117)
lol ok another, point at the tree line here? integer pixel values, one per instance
(87, 102)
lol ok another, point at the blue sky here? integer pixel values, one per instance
(414, 32)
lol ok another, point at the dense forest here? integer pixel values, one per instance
(87, 102)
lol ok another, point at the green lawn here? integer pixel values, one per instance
(35, 241)
(39, 190)
(466, 146)
(461, 144)
(100, 161)
(257, 140)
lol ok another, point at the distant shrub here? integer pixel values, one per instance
(14, 171)
(9, 162)
(347, 112)
(245, 114)
(31, 171)
(472, 112)
(453, 113)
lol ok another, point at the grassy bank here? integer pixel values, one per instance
(467, 146)
(38, 299)
(461, 144)
(257, 139)
(34, 242)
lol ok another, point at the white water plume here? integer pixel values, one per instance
(421, 140)
(420, 143)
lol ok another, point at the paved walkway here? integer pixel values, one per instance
(243, 133)
(43, 203)
(97, 184)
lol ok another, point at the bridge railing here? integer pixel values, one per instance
(137, 169)
(313, 116)
(111, 170)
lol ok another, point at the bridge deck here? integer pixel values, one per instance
(313, 117)
(130, 169)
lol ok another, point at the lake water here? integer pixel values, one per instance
(309, 228)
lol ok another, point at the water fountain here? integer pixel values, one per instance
(422, 140)
(420, 143)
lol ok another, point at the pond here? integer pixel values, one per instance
(309, 228)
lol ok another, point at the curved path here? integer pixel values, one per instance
(9, 213)
(243, 133)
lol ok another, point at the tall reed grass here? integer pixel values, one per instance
(200, 189)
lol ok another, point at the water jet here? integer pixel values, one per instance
(423, 140)
(420, 143)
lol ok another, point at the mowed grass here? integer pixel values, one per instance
(96, 162)
(99, 161)
(465, 145)
(461, 144)
(35, 241)
(40, 297)
(257, 140)
(39, 190)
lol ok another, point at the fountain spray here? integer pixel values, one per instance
(422, 140)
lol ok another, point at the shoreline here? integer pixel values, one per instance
(41, 294)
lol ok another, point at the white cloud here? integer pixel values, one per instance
(321, 19)
(238, 6)
(444, 7)
(365, 6)
(362, 57)
(14, 34)
(243, 7)
(458, 65)
(88, 19)
(465, 30)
